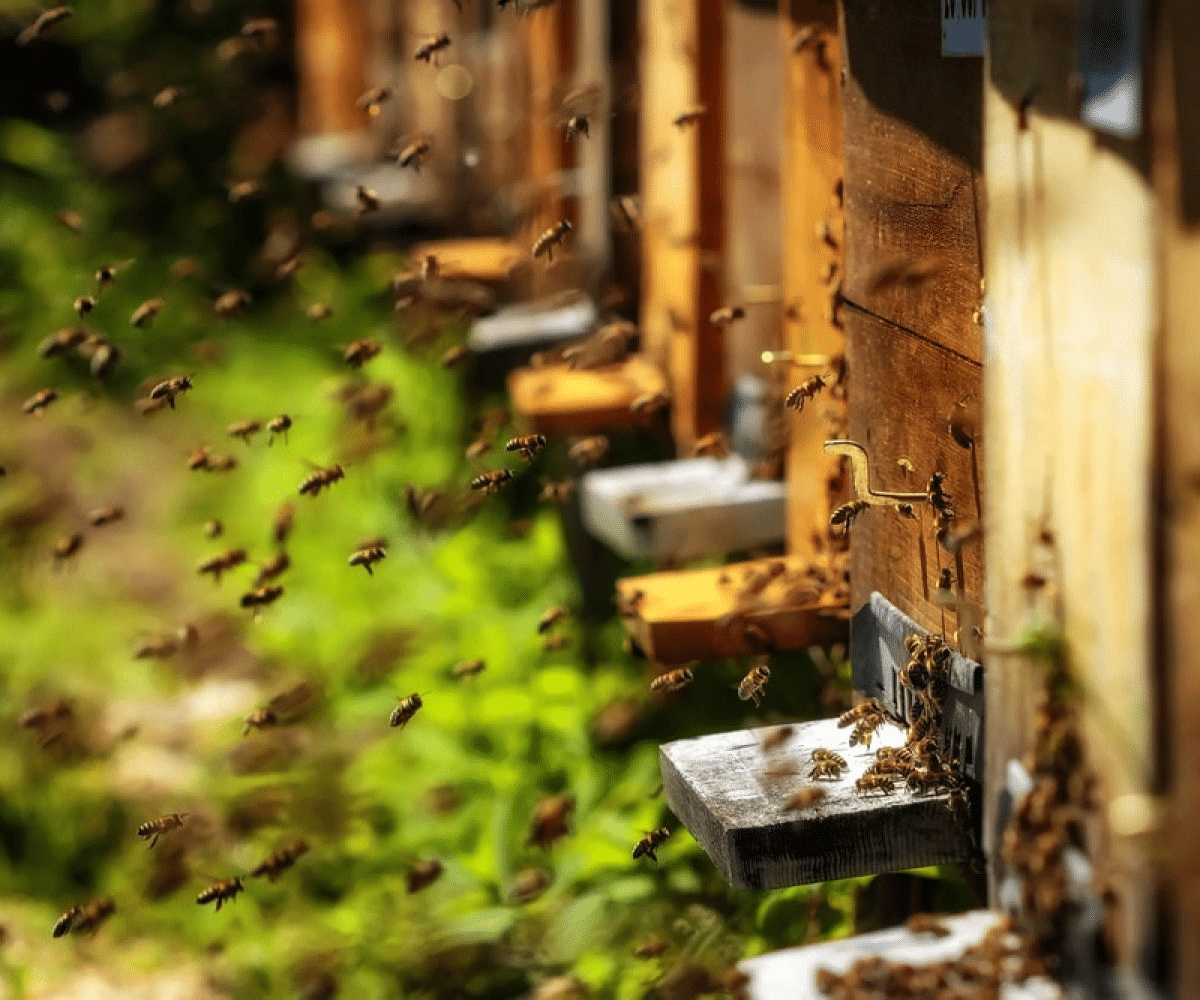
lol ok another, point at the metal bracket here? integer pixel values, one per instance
(862, 476)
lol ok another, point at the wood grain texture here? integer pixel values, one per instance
(329, 66)
(556, 400)
(716, 786)
(1070, 328)
(493, 260)
(902, 392)
(812, 167)
(676, 617)
(682, 177)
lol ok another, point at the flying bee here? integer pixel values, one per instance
(262, 31)
(925, 782)
(430, 46)
(712, 445)
(953, 539)
(366, 199)
(170, 388)
(413, 154)
(588, 450)
(404, 711)
(92, 915)
(672, 680)
(846, 513)
(367, 557)
(231, 304)
(649, 844)
(105, 515)
(558, 492)
(222, 563)
(528, 445)
(244, 190)
(221, 892)
(67, 547)
(927, 923)
(454, 356)
(277, 565)
(805, 391)
(84, 304)
(468, 668)
(360, 352)
(319, 311)
(72, 220)
(727, 315)
(575, 125)
(102, 355)
(144, 314)
(491, 482)
(650, 402)
(477, 449)
(551, 618)
(652, 948)
(775, 738)
(805, 798)
(221, 463)
(281, 526)
(754, 684)
(626, 213)
(276, 864)
(261, 597)
(320, 479)
(260, 718)
(544, 245)
(289, 267)
(64, 923)
(199, 459)
(168, 96)
(868, 709)
(279, 425)
(160, 647)
(62, 341)
(153, 829)
(371, 102)
(689, 116)
(864, 731)
(553, 643)
(46, 20)
(423, 874)
(551, 820)
(244, 430)
(885, 784)
(37, 403)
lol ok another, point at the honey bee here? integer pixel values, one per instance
(575, 125)
(260, 718)
(423, 874)
(477, 449)
(221, 463)
(454, 356)
(939, 499)
(371, 102)
(81, 920)
(244, 430)
(67, 547)
(468, 668)
(144, 314)
(775, 738)
(64, 923)
(754, 684)
(105, 515)
(367, 557)
(222, 563)
(558, 492)
(626, 212)
(319, 311)
(713, 445)
(826, 770)
(689, 116)
(168, 96)
(278, 425)
(320, 479)
(148, 406)
(552, 617)
(650, 402)
(430, 267)
(263, 31)
(925, 782)
(153, 829)
(825, 234)
(649, 844)
(170, 388)
(926, 923)
(527, 445)
(805, 798)
(262, 597)
(72, 220)
(366, 199)
(244, 190)
(868, 709)
(199, 459)
(46, 20)
(277, 863)
(672, 680)
(184, 268)
(945, 584)
(37, 718)
(277, 565)
(102, 355)
(404, 711)
(62, 341)
(491, 482)
(430, 46)
(885, 784)
(846, 513)
(360, 352)
(84, 305)
(805, 391)
(727, 315)
(413, 154)
(231, 304)
(551, 820)
(37, 403)
(652, 948)
(221, 892)
(544, 245)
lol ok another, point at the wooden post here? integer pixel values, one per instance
(682, 175)
(812, 170)
(1072, 314)
(329, 55)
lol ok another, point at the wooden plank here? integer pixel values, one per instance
(716, 785)
(677, 617)
(329, 46)
(682, 176)
(1071, 319)
(493, 260)
(913, 132)
(792, 972)
(556, 400)
(812, 168)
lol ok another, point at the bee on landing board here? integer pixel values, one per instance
(221, 892)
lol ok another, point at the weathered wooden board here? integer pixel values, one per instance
(716, 785)
(1072, 314)
(557, 400)
(677, 617)
(792, 972)
(811, 171)
(683, 188)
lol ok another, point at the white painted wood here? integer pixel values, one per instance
(529, 324)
